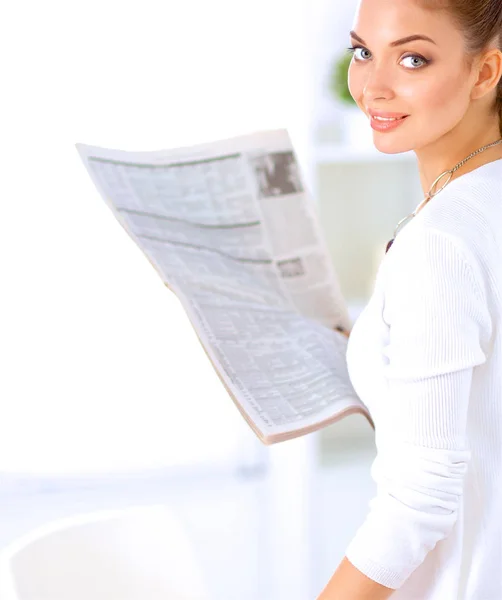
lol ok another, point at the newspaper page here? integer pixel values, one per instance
(234, 234)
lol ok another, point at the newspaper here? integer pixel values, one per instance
(234, 234)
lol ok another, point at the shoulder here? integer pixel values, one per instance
(469, 209)
(462, 224)
(433, 260)
(434, 303)
(425, 246)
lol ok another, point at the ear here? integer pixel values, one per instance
(489, 73)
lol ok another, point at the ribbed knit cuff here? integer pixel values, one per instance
(381, 574)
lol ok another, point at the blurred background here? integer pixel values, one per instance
(100, 408)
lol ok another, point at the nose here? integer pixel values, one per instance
(377, 82)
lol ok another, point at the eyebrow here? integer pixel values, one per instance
(404, 40)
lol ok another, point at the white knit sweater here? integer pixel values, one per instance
(425, 356)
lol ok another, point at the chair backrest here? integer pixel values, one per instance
(137, 553)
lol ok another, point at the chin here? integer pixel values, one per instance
(384, 143)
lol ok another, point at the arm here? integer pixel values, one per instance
(349, 583)
(438, 319)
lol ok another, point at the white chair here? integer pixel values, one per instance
(137, 553)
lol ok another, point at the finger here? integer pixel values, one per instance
(341, 330)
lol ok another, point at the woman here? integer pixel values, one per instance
(425, 355)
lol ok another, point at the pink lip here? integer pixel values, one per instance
(387, 115)
(386, 126)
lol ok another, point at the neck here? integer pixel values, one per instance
(453, 147)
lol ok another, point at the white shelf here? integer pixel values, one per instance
(342, 153)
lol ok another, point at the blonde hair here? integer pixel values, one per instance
(481, 23)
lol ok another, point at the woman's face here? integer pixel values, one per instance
(428, 81)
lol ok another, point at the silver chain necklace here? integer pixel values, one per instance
(430, 193)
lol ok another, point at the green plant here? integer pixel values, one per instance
(338, 78)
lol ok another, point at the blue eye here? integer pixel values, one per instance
(352, 49)
(424, 61)
(420, 58)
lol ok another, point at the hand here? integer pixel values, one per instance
(342, 331)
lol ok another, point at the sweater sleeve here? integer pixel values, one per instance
(438, 321)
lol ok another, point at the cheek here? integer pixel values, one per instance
(440, 97)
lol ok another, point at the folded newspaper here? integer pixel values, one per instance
(232, 231)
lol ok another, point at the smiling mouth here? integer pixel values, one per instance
(388, 120)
